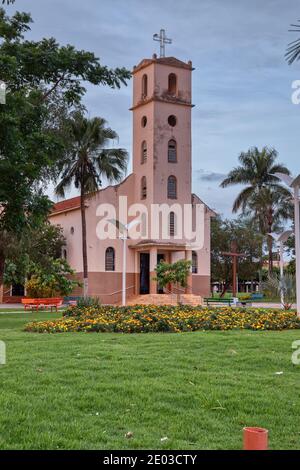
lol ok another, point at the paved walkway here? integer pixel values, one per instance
(268, 305)
(7, 307)
(10, 306)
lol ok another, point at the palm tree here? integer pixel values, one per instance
(264, 197)
(270, 208)
(88, 161)
(293, 50)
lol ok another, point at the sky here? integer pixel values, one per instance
(242, 85)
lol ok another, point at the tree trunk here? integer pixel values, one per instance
(2, 263)
(84, 245)
(270, 245)
(270, 240)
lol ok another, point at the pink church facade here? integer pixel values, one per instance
(159, 187)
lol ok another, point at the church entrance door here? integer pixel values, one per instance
(144, 273)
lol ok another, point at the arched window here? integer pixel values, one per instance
(172, 187)
(172, 224)
(64, 254)
(143, 188)
(172, 86)
(172, 151)
(144, 152)
(144, 86)
(194, 262)
(110, 259)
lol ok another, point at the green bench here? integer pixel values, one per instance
(229, 302)
(212, 300)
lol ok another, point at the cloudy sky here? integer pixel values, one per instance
(242, 85)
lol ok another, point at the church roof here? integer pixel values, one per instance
(170, 61)
(67, 205)
(74, 202)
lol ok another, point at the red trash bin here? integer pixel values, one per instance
(255, 438)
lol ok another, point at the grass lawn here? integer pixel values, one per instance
(86, 391)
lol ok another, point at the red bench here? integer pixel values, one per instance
(37, 304)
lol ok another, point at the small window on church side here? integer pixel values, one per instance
(172, 151)
(144, 87)
(172, 224)
(144, 121)
(172, 85)
(144, 188)
(144, 152)
(172, 121)
(110, 259)
(194, 262)
(172, 187)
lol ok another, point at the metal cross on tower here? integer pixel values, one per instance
(162, 38)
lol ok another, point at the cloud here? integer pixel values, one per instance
(211, 176)
(241, 83)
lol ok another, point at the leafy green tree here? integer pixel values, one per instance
(55, 281)
(89, 160)
(264, 197)
(249, 240)
(175, 274)
(39, 245)
(42, 77)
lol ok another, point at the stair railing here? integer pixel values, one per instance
(112, 294)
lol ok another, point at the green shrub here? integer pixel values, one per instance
(85, 302)
(244, 296)
(151, 318)
(54, 281)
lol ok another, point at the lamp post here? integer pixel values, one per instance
(280, 239)
(124, 229)
(294, 183)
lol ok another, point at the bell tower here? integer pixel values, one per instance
(162, 131)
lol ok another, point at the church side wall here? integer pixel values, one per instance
(101, 282)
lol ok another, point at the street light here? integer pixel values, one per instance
(280, 239)
(294, 183)
(124, 229)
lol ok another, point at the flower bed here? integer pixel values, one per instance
(151, 318)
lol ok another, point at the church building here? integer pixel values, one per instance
(161, 179)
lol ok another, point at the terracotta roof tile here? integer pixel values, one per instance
(67, 205)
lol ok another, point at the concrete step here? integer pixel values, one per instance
(165, 299)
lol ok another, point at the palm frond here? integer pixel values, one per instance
(293, 50)
(112, 163)
(90, 159)
(242, 200)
